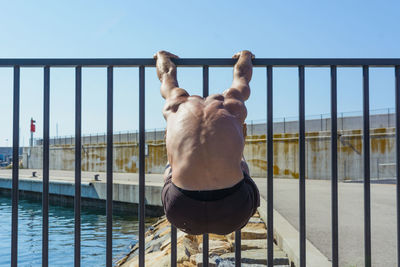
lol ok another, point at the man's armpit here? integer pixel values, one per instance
(172, 105)
(233, 93)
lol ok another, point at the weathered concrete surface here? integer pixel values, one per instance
(351, 218)
(318, 155)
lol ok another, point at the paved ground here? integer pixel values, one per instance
(351, 218)
(318, 220)
(87, 176)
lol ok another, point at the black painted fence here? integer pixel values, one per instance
(269, 65)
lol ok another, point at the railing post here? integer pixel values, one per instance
(205, 94)
(78, 162)
(397, 121)
(45, 191)
(109, 200)
(15, 169)
(270, 169)
(367, 194)
(141, 165)
(334, 173)
(302, 158)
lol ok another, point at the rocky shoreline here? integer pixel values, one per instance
(221, 247)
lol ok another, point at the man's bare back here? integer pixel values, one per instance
(205, 136)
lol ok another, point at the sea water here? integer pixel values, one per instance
(61, 234)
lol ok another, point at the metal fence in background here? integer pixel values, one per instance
(351, 120)
(269, 65)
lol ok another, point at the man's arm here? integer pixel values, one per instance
(166, 72)
(242, 73)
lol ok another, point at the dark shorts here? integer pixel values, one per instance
(215, 211)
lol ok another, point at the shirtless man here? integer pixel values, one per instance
(207, 184)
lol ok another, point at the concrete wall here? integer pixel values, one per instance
(318, 155)
(126, 157)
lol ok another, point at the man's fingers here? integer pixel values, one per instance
(236, 56)
(243, 53)
(163, 53)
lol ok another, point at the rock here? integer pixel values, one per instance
(186, 264)
(247, 244)
(158, 260)
(167, 243)
(189, 247)
(257, 256)
(253, 233)
(254, 220)
(182, 254)
(197, 260)
(217, 247)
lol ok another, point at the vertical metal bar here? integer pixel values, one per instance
(367, 193)
(397, 127)
(302, 158)
(173, 246)
(397, 121)
(284, 125)
(321, 123)
(205, 81)
(205, 94)
(141, 165)
(270, 168)
(109, 201)
(78, 162)
(334, 168)
(238, 248)
(45, 191)
(15, 159)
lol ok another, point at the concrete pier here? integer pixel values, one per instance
(62, 188)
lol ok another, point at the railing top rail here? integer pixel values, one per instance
(198, 62)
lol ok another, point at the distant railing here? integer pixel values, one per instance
(269, 65)
(321, 122)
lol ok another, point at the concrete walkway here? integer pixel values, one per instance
(318, 207)
(351, 218)
(129, 178)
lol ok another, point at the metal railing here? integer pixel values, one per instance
(320, 122)
(269, 64)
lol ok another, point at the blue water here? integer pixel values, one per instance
(61, 235)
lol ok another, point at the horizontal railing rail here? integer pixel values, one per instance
(205, 64)
(200, 62)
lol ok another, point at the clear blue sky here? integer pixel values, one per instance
(93, 29)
